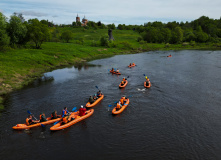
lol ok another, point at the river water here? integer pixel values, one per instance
(179, 117)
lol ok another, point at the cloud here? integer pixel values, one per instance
(114, 11)
(33, 13)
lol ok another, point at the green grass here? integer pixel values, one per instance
(21, 66)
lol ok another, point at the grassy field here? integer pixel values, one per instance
(21, 66)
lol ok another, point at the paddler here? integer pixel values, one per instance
(118, 107)
(65, 112)
(30, 121)
(43, 118)
(99, 94)
(82, 111)
(91, 100)
(54, 115)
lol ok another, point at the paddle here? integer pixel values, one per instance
(31, 114)
(74, 109)
(97, 87)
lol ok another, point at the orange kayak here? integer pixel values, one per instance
(114, 72)
(96, 102)
(120, 86)
(133, 65)
(146, 85)
(25, 126)
(114, 111)
(169, 56)
(60, 126)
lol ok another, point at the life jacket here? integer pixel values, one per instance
(54, 115)
(124, 98)
(122, 101)
(118, 106)
(65, 119)
(98, 94)
(64, 112)
(124, 79)
(130, 64)
(133, 63)
(27, 121)
(122, 82)
(117, 71)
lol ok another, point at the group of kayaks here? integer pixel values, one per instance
(74, 116)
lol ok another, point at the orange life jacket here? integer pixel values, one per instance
(133, 63)
(27, 121)
(118, 106)
(122, 82)
(122, 101)
(65, 119)
(124, 98)
(124, 79)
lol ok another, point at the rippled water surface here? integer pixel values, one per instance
(179, 117)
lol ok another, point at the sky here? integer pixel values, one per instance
(113, 11)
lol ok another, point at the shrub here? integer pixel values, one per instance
(104, 41)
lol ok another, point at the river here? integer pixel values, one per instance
(179, 117)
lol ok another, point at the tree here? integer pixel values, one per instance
(200, 35)
(16, 31)
(38, 32)
(4, 38)
(177, 35)
(67, 36)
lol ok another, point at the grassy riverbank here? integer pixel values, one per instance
(21, 66)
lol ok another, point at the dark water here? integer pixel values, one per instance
(179, 117)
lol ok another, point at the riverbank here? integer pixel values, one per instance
(19, 67)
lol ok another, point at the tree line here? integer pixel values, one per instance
(16, 32)
(203, 29)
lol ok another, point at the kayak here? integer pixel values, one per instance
(78, 118)
(114, 72)
(95, 102)
(120, 86)
(133, 65)
(147, 86)
(25, 126)
(169, 56)
(114, 111)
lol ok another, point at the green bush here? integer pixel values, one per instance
(104, 41)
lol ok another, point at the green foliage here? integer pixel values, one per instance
(111, 26)
(16, 31)
(67, 36)
(104, 41)
(177, 35)
(38, 32)
(4, 38)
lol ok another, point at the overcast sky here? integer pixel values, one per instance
(113, 11)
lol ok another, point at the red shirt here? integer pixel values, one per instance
(82, 111)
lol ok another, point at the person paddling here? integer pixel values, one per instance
(30, 121)
(118, 107)
(91, 100)
(82, 111)
(43, 118)
(54, 115)
(99, 94)
(65, 112)
(147, 81)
